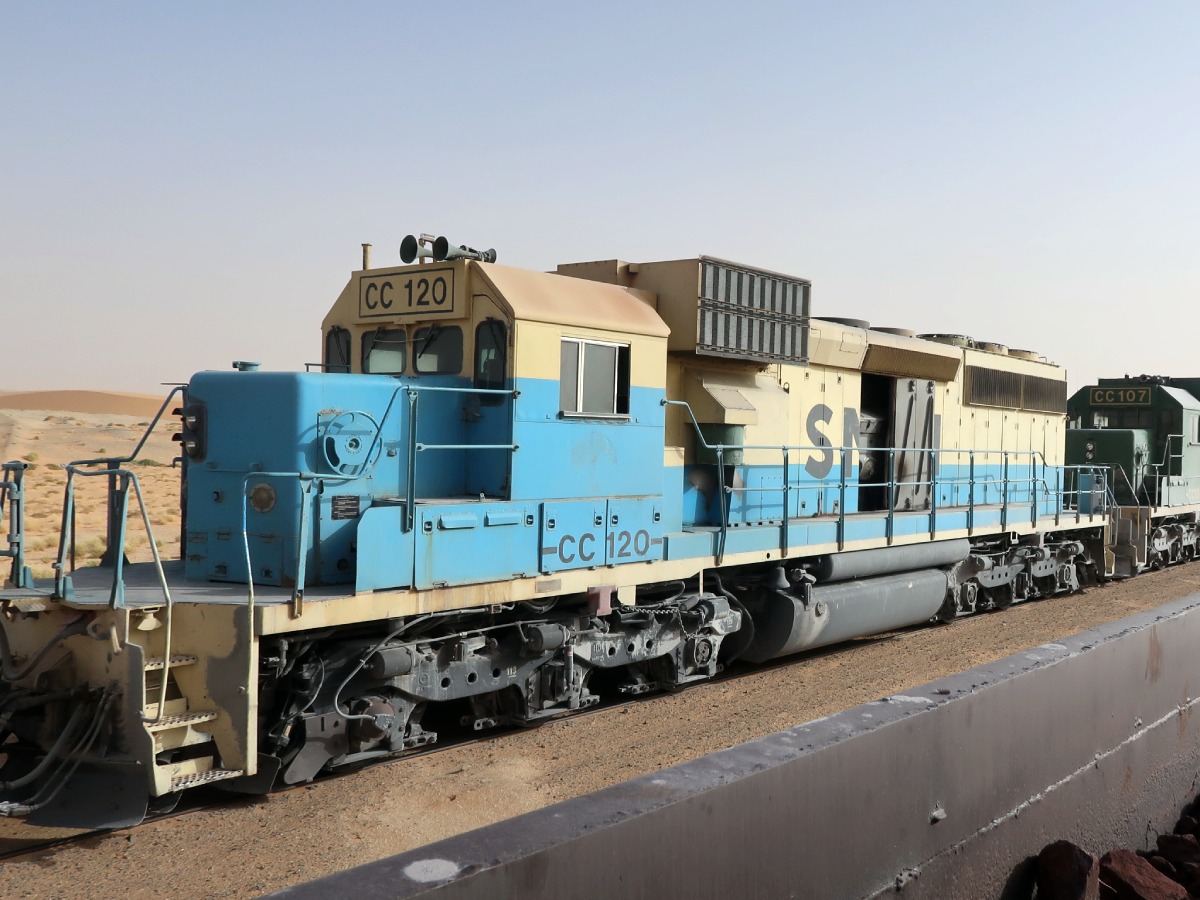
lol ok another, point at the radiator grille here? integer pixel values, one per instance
(752, 314)
(1011, 390)
(1045, 394)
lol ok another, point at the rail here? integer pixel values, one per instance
(310, 480)
(1023, 487)
(1155, 486)
(116, 600)
(120, 480)
(415, 447)
(12, 491)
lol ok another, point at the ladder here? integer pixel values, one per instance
(184, 750)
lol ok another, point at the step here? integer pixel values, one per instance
(179, 782)
(177, 738)
(182, 720)
(155, 663)
(176, 707)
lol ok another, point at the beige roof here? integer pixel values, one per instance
(562, 300)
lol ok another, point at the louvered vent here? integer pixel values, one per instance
(993, 387)
(1045, 394)
(751, 314)
(1011, 390)
(882, 360)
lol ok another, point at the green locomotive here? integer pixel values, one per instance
(1142, 435)
(1147, 429)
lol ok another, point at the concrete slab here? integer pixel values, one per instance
(948, 790)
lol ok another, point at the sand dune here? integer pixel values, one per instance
(104, 402)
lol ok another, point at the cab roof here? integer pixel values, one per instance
(562, 300)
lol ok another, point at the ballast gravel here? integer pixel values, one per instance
(253, 846)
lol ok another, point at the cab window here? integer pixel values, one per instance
(337, 350)
(594, 378)
(384, 351)
(438, 350)
(491, 354)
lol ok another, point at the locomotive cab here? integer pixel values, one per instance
(462, 404)
(1147, 430)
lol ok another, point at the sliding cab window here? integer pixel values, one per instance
(337, 350)
(491, 356)
(384, 351)
(594, 378)
(438, 350)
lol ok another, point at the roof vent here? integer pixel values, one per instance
(1026, 354)
(899, 332)
(991, 347)
(954, 340)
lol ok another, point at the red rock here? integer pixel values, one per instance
(1180, 849)
(1163, 865)
(1126, 876)
(1066, 872)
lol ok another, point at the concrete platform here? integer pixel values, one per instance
(946, 791)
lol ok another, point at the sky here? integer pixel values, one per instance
(183, 185)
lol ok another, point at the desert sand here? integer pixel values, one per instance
(101, 402)
(47, 429)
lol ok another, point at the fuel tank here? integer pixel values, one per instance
(786, 622)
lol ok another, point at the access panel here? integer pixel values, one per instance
(573, 534)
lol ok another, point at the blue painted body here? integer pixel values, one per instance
(578, 492)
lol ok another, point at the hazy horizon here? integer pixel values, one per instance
(186, 186)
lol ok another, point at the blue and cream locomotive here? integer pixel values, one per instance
(507, 491)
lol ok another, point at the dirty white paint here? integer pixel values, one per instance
(427, 870)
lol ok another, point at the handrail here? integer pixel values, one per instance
(307, 481)
(112, 463)
(119, 481)
(1012, 487)
(127, 477)
(116, 600)
(11, 489)
(310, 480)
(1158, 476)
(414, 392)
(108, 460)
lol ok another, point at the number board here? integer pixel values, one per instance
(425, 293)
(1131, 396)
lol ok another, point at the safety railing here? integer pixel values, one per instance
(117, 509)
(415, 447)
(308, 481)
(12, 492)
(1154, 488)
(120, 480)
(1023, 486)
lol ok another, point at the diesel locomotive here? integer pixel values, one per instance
(505, 492)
